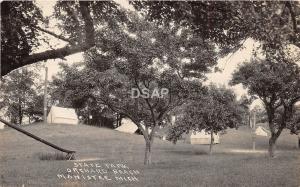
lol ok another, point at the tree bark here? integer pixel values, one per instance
(211, 141)
(20, 112)
(272, 144)
(274, 135)
(147, 159)
(36, 137)
(272, 140)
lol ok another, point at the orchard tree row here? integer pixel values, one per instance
(162, 45)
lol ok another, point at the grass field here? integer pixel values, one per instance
(173, 165)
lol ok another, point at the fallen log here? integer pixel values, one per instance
(70, 154)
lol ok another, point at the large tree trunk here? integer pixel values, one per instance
(147, 159)
(275, 134)
(149, 138)
(272, 146)
(211, 141)
(272, 142)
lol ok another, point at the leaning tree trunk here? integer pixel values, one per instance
(70, 154)
(211, 141)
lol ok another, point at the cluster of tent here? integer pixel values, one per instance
(127, 126)
(202, 137)
(59, 115)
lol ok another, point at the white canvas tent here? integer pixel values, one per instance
(2, 116)
(62, 115)
(201, 137)
(127, 126)
(260, 131)
(1, 125)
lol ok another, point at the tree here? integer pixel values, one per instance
(230, 23)
(72, 88)
(21, 23)
(244, 108)
(24, 29)
(214, 111)
(226, 23)
(20, 94)
(277, 84)
(147, 59)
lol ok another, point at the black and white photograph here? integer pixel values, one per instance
(150, 93)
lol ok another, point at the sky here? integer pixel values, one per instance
(227, 64)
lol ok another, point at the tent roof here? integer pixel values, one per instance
(127, 126)
(261, 131)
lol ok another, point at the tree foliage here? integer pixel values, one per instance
(141, 55)
(20, 96)
(229, 23)
(277, 84)
(73, 87)
(18, 36)
(24, 29)
(212, 111)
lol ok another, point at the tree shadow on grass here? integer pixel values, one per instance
(188, 152)
(54, 156)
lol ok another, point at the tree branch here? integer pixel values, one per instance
(147, 101)
(294, 22)
(89, 25)
(52, 34)
(61, 52)
(293, 16)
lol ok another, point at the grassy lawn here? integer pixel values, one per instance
(173, 165)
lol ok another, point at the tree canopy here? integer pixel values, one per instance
(163, 45)
(20, 96)
(277, 84)
(24, 29)
(146, 58)
(229, 23)
(212, 111)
